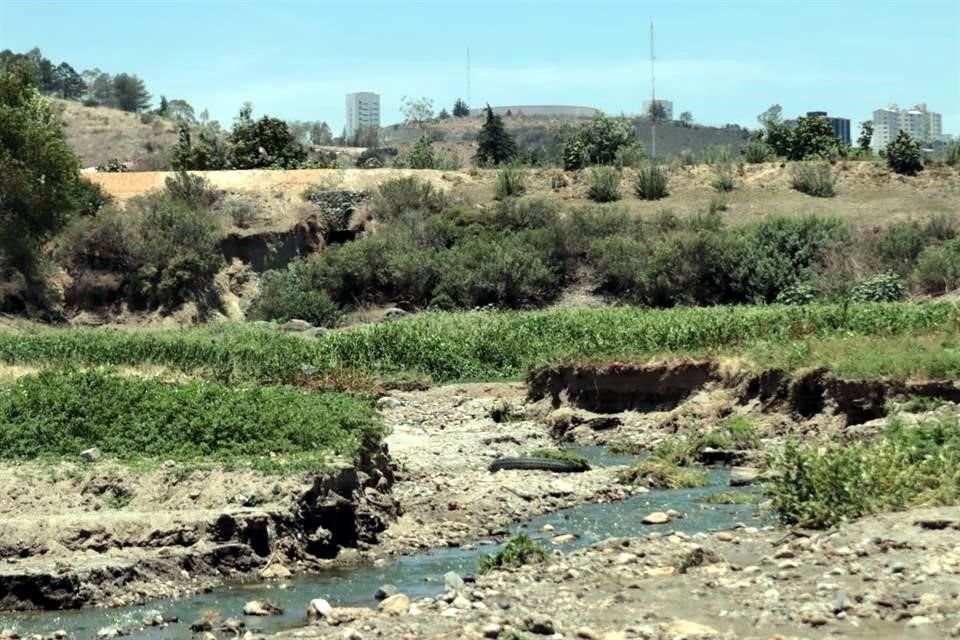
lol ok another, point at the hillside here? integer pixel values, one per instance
(99, 134)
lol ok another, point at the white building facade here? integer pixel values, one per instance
(919, 123)
(363, 110)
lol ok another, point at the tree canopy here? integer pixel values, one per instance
(494, 144)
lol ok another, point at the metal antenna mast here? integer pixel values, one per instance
(468, 77)
(653, 102)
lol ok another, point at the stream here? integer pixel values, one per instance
(416, 575)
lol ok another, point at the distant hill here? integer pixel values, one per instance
(540, 131)
(99, 134)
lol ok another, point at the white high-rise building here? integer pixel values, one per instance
(920, 124)
(363, 110)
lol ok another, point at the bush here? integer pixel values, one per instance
(597, 142)
(813, 178)
(61, 413)
(882, 287)
(938, 268)
(179, 251)
(603, 184)
(291, 293)
(401, 195)
(814, 486)
(420, 156)
(904, 155)
(510, 182)
(692, 267)
(193, 190)
(519, 550)
(756, 151)
(952, 154)
(724, 182)
(90, 197)
(799, 293)
(114, 165)
(659, 474)
(560, 454)
(651, 183)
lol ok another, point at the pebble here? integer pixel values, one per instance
(656, 517)
(725, 536)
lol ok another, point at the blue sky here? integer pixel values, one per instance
(723, 61)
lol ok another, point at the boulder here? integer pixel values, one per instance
(388, 402)
(385, 591)
(318, 609)
(563, 538)
(743, 476)
(396, 605)
(453, 582)
(656, 517)
(261, 608)
(90, 455)
(296, 325)
(275, 570)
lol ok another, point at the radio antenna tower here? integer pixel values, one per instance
(468, 78)
(652, 114)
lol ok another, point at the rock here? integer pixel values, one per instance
(625, 558)
(385, 591)
(396, 605)
(743, 476)
(350, 634)
(387, 402)
(276, 570)
(587, 633)
(724, 536)
(394, 313)
(461, 602)
(491, 630)
(232, 625)
(296, 325)
(60, 634)
(657, 517)
(812, 616)
(453, 582)
(261, 608)
(918, 621)
(318, 609)
(90, 455)
(539, 623)
(563, 538)
(547, 528)
(687, 630)
(203, 624)
(109, 632)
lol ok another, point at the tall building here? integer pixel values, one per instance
(841, 126)
(666, 104)
(920, 124)
(363, 110)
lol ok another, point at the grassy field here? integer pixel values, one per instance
(505, 345)
(58, 413)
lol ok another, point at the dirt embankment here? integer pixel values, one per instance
(103, 534)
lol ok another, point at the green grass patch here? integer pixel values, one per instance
(521, 549)
(820, 486)
(560, 454)
(661, 474)
(57, 414)
(732, 497)
(500, 345)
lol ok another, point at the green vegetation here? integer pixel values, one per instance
(814, 179)
(510, 182)
(724, 182)
(561, 454)
(60, 413)
(504, 411)
(597, 142)
(868, 339)
(651, 183)
(732, 497)
(882, 287)
(603, 184)
(287, 294)
(661, 474)
(494, 145)
(757, 151)
(903, 155)
(521, 549)
(806, 138)
(819, 486)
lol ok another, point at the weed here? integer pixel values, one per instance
(660, 474)
(651, 183)
(603, 184)
(814, 179)
(510, 182)
(503, 411)
(732, 497)
(519, 550)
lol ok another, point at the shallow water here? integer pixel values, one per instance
(416, 575)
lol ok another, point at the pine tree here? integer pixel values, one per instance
(460, 109)
(494, 144)
(866, 135)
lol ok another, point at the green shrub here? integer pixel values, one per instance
(724, 182)
(632, 155)
(813, 178)
(799, 293)
(510, 182)
(952, 154)
(817, 486)
(517, 215)
(692, 267)
(179, 252)
(521, 549)
(90, 197)
(420, 156)
(716, 154)
(561, 454)
(292, 293)
(597, 142)
(904, 155)
(732, 497)
(401, 195)
(938, 268)
(61, 413)
(193, 190)
(659, 474)
(114, 165)
(881, 287)
(241, 213)
(651, 183)
(603, 184)
(756, 151)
